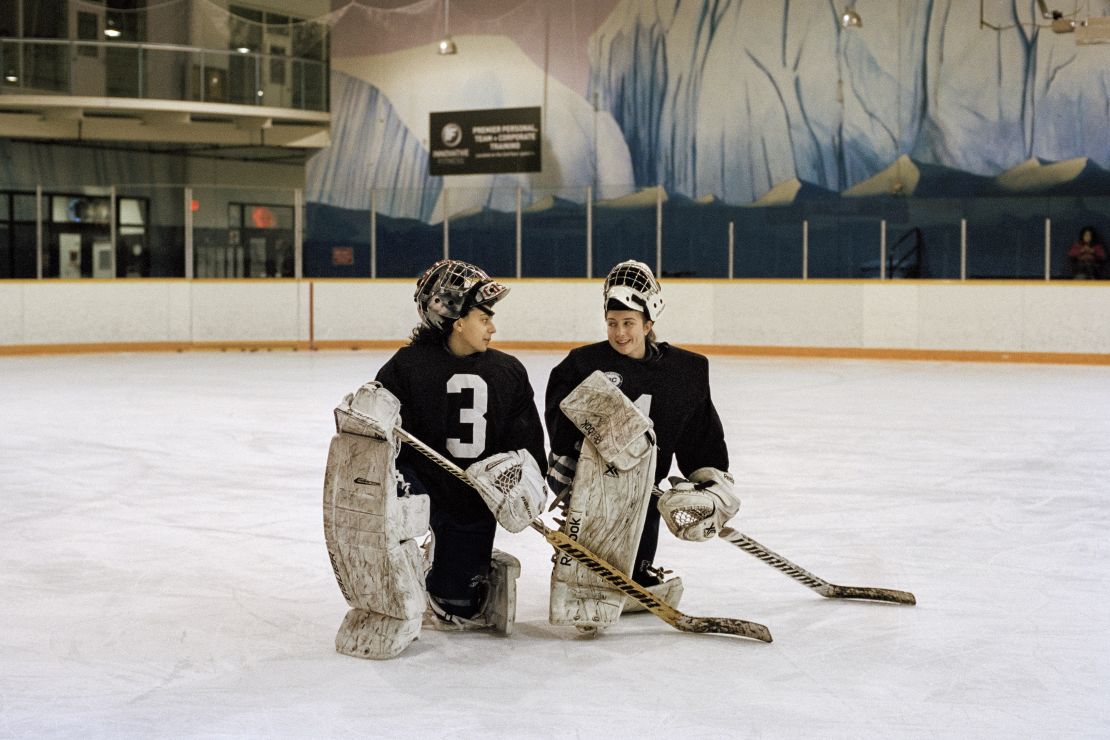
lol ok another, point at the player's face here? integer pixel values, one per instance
(628, 332)
(471, 333)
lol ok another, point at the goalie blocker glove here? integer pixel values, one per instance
(696, 509)
(512, 486)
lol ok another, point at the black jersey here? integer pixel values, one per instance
(670, 384)
(465, 408)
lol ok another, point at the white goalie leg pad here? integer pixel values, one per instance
(669, 592)
(372, 533)
(498, 609)
(607, 419)
(606, 514)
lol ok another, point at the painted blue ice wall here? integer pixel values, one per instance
(731, 98)
(723, 98)
(724, 103)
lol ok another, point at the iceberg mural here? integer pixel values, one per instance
(729, 99)
(906, 177)
(740, 117)
(1079, 176)
(734, 98)
(380, 121)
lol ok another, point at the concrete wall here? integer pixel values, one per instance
(850, 316)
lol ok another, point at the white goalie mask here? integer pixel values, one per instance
(450, 288)
(632, 284)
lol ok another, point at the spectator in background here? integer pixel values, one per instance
(1087, 255)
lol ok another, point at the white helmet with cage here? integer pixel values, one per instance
(450, 288)
(632, 284)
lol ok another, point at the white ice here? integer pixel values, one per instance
(163, 570)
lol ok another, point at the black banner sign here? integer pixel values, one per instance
(482, 142)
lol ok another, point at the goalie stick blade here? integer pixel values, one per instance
(803, 576)
(866, 593)
(658, 607)
(724, 626)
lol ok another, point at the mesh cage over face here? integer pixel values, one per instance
(632, 284)
(450, 288)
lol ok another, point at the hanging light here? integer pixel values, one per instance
(850, 18)
(447, 44)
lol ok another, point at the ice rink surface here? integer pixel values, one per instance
(164, 573)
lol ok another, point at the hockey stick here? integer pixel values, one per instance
(800, 574)
(608, 572)
(820, 585)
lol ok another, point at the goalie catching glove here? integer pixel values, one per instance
(512, 486)
(696, 509)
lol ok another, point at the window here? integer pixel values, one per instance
(9, 18)
(24, 207)
(88, 29)
(45, 19)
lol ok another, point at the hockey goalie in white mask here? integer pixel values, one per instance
(475, 406)
(606, 488)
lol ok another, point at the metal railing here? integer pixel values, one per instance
(161, 72)
(201, 231)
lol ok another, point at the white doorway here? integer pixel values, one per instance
(86, 24)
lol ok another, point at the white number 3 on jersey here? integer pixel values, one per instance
(474, 415)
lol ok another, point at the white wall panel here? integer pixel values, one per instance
(95, 312)
(890, 313)
(1066, 318)
(990, 317)
(363, 310)
(247, 312)
(692, 311)
(555, 311)
(179, 298)
(11, 314)
(789, 314)
(971, 317)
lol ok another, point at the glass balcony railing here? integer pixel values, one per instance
(161, 72)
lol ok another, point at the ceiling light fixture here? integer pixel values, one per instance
(1060, 24)
(850, 18)
(447, 44)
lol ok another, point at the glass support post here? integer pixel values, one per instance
(805, 249)
(38, 228)
(519, 251)
(659, 232)
(1048, 249)
(963, 249)
(189, 272)
(373, 234)
(882, 250)
(113, 229)
(731, 249)
(298, 233)
(589, 232)
(446, 228)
